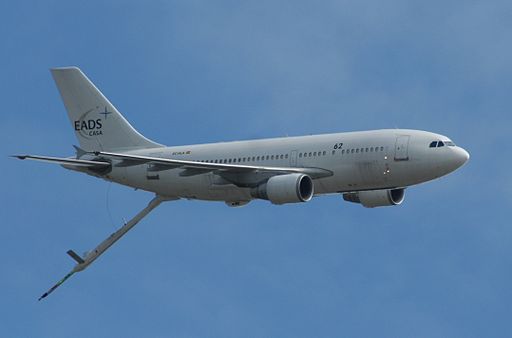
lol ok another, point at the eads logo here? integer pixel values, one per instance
(87, 126)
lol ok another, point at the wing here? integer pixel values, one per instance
(195, 167)
(68, 161)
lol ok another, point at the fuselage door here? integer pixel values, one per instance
(293, 158)
(402, 148)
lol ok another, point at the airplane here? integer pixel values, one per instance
(372, 168)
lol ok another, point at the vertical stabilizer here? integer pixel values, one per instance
(98, 125)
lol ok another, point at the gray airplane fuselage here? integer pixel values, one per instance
(367, 160)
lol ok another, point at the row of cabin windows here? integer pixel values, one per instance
(362, 150)
(313, 154)
(247, 159)
(343, 151)
(301, 155)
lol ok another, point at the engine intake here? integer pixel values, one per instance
(376, 198)
(289, 188)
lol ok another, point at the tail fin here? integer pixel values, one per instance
(97, 123)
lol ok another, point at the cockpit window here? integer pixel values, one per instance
(437, 144)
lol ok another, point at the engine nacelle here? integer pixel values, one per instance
(376, 198)
(289, 188)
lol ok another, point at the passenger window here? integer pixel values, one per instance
(309, 155)
(342, 151)
(366, 150)
(357, 151)
(268, 157)
(381, 148)
(324, 153)
(333, 152)
(300, 155)
(286, 156)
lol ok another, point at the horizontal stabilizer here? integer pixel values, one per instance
(75, 256)
(60, 160)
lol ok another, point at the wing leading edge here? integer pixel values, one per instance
(159, 164)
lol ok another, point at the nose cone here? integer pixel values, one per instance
(460, 157)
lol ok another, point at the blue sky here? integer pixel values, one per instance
(201, 71)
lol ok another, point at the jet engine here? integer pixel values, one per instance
(376, 198)
(289, 188)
